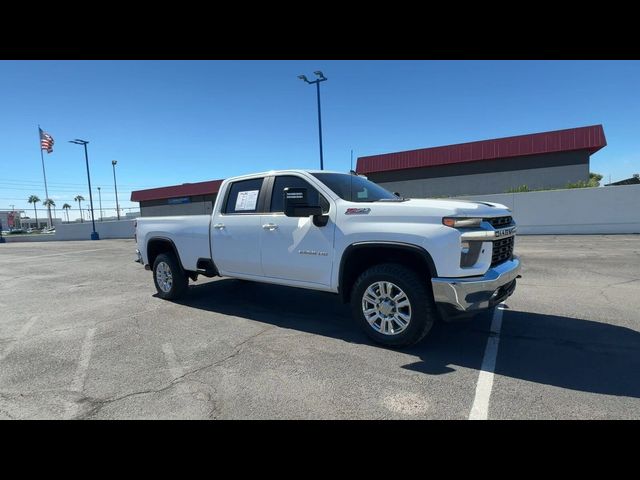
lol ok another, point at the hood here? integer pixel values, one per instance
(459, 207)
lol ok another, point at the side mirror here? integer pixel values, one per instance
(295, 203)
(397, 194)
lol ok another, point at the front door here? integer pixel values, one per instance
(294, 248)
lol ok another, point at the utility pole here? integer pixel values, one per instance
(321, 78)
(77, 141)
(100, 197)
(113, 164)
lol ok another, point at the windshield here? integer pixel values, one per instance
(355, 188)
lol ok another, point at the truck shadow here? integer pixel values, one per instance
(309, 311)
(565, 352)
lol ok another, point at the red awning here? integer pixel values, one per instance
(589, 138)
(173, 191)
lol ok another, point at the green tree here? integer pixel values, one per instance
(50, 203)
(594, 179)
(66, 208)
(520, 189)
(79, 199)
(34, 199)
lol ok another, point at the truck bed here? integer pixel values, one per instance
(189, 233)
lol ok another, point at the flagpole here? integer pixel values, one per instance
(44, 174)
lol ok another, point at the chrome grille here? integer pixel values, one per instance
(499, 222)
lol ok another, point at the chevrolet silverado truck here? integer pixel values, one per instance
(401, 263)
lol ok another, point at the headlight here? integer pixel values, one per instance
(458, 222)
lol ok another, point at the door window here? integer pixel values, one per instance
(283, 181)
(243, 196)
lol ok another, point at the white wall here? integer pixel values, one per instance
(82, 231)
(39, 237)
(579, 210)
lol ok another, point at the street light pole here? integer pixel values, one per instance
(321, 78)
(94, 234)
(100, 197)
(115, 185)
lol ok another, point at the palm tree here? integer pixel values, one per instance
(79, 199)
(34, 199)
(50, 203)
(66, 208)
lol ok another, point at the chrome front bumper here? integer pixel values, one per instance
(477, 293)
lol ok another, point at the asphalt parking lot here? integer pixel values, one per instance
(83, 336)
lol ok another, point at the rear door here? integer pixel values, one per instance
(294, 248)
(236, 229)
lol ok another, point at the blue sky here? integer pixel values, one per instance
(169, 122)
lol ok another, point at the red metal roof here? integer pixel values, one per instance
(589, 138)
(184, 190)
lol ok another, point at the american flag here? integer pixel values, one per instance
(46, 141)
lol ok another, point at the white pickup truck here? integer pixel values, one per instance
(402, 263)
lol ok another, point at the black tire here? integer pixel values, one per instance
(423, 310)
(179, 280)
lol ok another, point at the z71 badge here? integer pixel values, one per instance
(357, 211)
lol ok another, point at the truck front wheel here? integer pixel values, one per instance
(393, 305)
(170, 280)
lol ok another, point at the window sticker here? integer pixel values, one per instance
(247, 200)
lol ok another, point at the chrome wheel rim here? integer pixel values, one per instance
(386, 308)
(164, 277)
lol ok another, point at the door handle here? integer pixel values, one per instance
(219, 226)
(270, 226)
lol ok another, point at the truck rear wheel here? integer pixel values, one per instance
(393, 305)
(170, 280)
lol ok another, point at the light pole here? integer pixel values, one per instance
(77, 141)
(321, 78)
(100, 197)
(115, 185)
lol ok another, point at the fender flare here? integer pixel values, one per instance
(352, 248)
(173, 247)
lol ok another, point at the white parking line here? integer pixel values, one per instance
(33, 257)
(80, 376)
(23, 331)
(172, 361)
(83, 363)
(480, 408)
